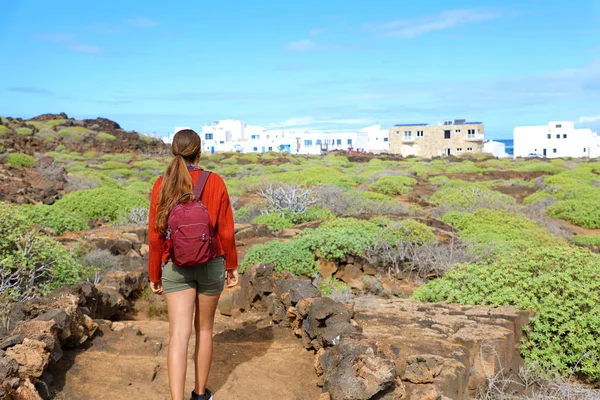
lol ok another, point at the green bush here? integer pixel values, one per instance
(230, 161)
(4, 130)
(230, 170)
(539, 166)
(507, 232)
(153, 165)
(338, 238)
(120, 173)
(392, 185)
(275, 221)
(561, 284)
(36, 124)
(73, 131)
(439, 180)
(580, 212)
(106, 137)
(19, 160)
(593, 240)
(332, 287)
(114, 165)
(103, 202)
(89, 155)
(24, 131)
(38, 262)
(315, 213)
(317, 175)
(124, 157)
(463, 167)
(292, 256)
(60, 221)
(466, 195)
(56, 122)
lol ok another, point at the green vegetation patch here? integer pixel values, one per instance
(394, 185)
(593, 240)
(19, 160)
(114, 165)
(73, 132)
(24, 131)
(317, 175)
(104, 202)
(59, 220)
(292, 256)
(44, 264)
(467, 195)
(4, 130)
(106, 137)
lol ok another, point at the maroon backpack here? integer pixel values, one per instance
(190, 239)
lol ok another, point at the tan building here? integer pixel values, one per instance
(422, 140)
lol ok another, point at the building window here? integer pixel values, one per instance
(584, 149)
(558, 125)
(470, 133)
(419, 133)
(407, 134)
(319, 142)
(386, 139)
(558, 136)
(222, 142)
(549, 136)
(469, 149)
(564, 135)
(255, 149)
(255, 137)
(349, 142)
(458, 149)
(308, 143)
(457, 131)
(397, 132)
(554, 150)
(270, 148)
(268, 136)
(446, 134)
(209, 136)
(339, 142)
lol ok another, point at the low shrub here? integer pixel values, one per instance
(4, 130)
(24, 131)
(275, 221)
(104, 202)
(19, 160)
(394, 185)
(135, 216)
(73, 131)
(99, 262)
(593, 240)
(335, 289)
(106, 137)
(462, 195)
(153, 165)
(463, 167)
(89, 155)
(120, 173)
(60, 221)
(561, 284)
(114, 165)
(229, 161)
(292, 256)
(31, 263)
(580, 212)
(317, 175)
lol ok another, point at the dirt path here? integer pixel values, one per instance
(252, 360)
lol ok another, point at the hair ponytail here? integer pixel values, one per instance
(177, 180)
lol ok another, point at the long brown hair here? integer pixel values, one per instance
(177, 180)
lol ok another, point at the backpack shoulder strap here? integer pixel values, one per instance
(199, 188)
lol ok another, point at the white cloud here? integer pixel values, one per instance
(303, 45)
(142, 22)
(584, 120)
(320, 123)
(409, 28)
(85, 48)
(317, 31)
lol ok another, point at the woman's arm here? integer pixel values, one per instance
(226, 230)
(155, 239)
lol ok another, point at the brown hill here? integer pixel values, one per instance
(58, 132)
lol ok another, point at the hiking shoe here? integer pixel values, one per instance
(206, 396)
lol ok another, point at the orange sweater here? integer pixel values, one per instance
(216, 200)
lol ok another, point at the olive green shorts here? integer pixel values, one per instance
(208, 278)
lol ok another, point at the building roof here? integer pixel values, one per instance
(411, 124)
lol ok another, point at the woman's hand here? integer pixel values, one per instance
(232, 277)
(156, 287)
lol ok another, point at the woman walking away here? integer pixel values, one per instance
(191, 233)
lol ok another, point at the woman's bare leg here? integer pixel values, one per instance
(204, 321)
(181, 313)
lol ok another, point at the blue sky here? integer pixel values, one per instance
(321, 65)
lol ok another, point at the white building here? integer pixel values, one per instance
(378, 140)
(557, 139)
(497, 149)
(233, 135)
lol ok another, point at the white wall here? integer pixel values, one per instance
(377, 139)
(497, 149)
(557, 139)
